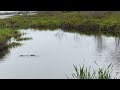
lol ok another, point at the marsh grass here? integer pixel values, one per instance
(23, 39)
(86, 22)
(14, 45)
(96, 21)
(5, 38)
(7, 33)
(87, 73)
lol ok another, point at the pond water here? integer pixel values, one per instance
(56, 52)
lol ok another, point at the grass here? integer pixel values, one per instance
(21, 39)
(87, 73)
(13, 45)
(7, 33)
(67, 20)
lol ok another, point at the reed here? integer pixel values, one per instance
(87, 73)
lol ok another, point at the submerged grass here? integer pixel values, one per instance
(87, 73)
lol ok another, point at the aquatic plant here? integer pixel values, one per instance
(13, 45)
(22, 39)
(87, 73)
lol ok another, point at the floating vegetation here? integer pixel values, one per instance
(14, 45)
(22, 39)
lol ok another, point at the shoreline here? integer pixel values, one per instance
(69, 20)
(108, 24)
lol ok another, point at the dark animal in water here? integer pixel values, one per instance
(28, 55)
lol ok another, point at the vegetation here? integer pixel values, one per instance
(85, 73)
(13, 45)
(79, 21)
(70, 21)
(21, 39)
(6, 34)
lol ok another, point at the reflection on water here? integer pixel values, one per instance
(60, 35)
(3, 53)
(117, 42)
(76, 37)
(100, 43)
(114, 56)
(56, 52)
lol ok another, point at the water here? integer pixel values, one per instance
(8, 16)
(5, 16)
(56, 52)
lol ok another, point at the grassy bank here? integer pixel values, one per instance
(73, 21)
(6, 34)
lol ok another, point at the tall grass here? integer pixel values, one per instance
(87, 73)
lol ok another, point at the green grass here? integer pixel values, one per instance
(7, 33)
(73, 21)
(23, 39)
(13, 45)
(65, 20)
(87, 73)
(108, 24)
